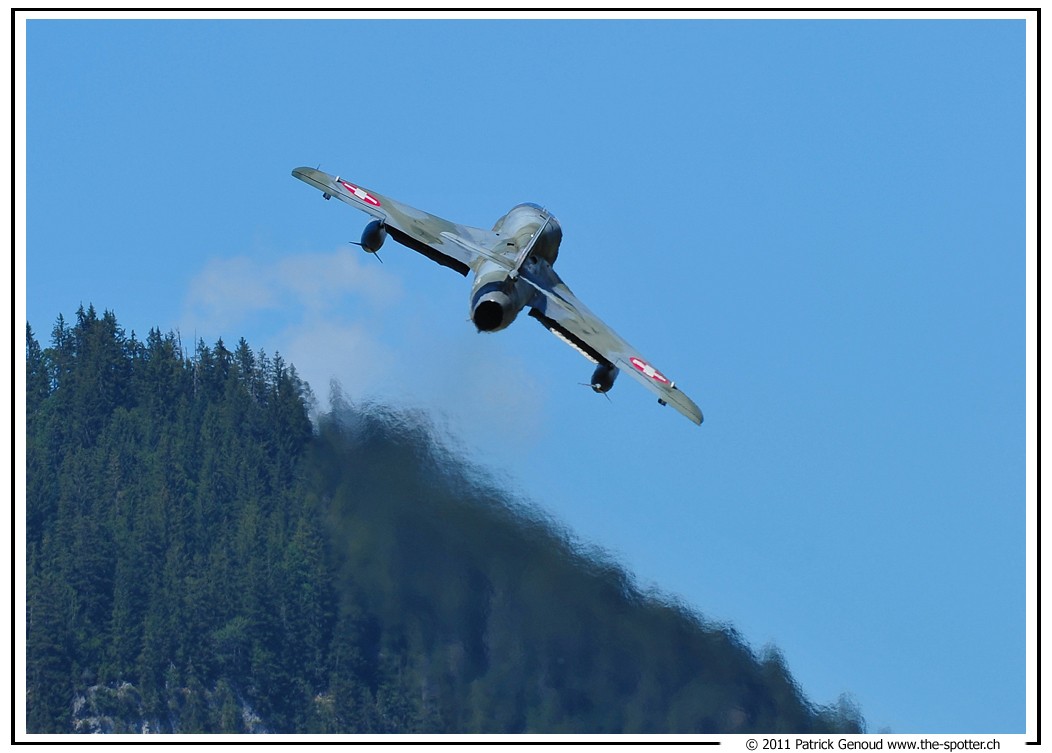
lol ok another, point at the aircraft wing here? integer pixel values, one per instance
(559, 310)
(458, 247)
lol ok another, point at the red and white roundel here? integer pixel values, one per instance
(360, 193)
(649, 370)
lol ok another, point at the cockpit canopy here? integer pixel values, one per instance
(519, 225)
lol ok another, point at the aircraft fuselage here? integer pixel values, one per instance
(531, 239)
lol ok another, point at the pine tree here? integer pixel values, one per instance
(38, 380)
(50, 652)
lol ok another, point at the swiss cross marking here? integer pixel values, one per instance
(360, 193)
(649, 370)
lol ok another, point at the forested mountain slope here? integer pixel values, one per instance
(201, 557)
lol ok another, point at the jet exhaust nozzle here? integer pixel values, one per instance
(496, 299)
(493, 311)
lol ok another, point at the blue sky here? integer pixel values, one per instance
(817, 228)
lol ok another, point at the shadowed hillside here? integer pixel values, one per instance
(200, 559)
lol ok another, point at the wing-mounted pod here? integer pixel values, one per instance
(373, 237)
(603, 377)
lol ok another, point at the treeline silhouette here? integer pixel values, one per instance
(201, 557)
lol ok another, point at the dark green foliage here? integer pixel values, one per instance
(200, 558)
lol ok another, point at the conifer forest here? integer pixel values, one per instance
(207, 552)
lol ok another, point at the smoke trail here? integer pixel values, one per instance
(487, 600)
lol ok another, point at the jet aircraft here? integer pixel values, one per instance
(512, 266)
